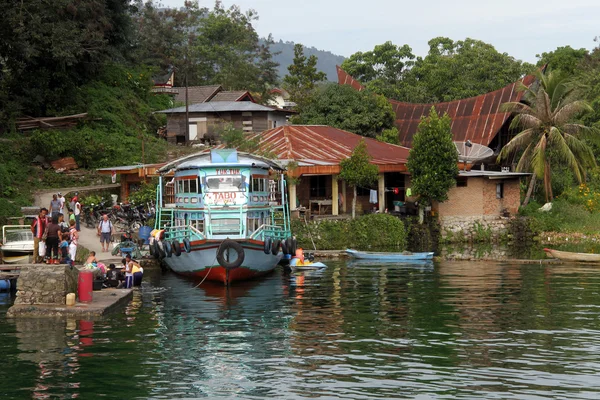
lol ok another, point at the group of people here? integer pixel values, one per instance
(54, 240)
(73, 209)
(126, 275)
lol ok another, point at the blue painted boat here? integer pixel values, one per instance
(389, 257)
(296, 263)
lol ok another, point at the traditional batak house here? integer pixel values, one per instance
(480, 194)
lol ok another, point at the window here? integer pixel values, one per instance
(188, 186)
(461, 181)
(225, 183)
(317, 186)
(500, 190)
(259, 185)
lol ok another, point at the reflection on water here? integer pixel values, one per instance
(451, 330)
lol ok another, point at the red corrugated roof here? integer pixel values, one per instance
(315, 144)
(477, 119)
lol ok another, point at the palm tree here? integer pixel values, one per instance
(546, 125)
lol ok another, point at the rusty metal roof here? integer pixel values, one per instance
(324, 145)
(477, 119)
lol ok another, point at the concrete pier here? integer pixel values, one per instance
(104, 301)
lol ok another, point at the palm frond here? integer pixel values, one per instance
(538, 158)
(524, 164)
(521, 140)
(564, 151)
(516, 107)
(582, 151)
(543, 107)
(569, 111)
(526, 121)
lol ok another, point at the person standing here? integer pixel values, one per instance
(73, 238)
(105, 230)
(52, 240)
(62, 202)
(74, 200)
(54, 206)
(38, 227)
(77, 212)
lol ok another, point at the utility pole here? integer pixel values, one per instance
(187, 107)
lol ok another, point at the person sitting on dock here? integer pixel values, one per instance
(114, 276)
(91, 258)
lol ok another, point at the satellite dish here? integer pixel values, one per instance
(470, 152)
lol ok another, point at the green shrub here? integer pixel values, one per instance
(8, 209)
(368, 232)
(565, 216)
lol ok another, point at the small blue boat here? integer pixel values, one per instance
(389, 257)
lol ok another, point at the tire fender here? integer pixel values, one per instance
(267, 248)
(291, 245)
(176, 247)
(275, 247)
(187, 246)
(168, 248)
(160, 249)
(284, 248)
(226, 245)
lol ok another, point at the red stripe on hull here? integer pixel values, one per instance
(219, 274)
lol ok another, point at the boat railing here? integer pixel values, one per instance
(273, 231)
(182, 232)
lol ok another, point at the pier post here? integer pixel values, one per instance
(381, 192)
(292, 189)
(334, 195)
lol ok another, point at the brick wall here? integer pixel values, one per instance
(463, 201)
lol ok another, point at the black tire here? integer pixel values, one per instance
(156, 250)
(176, 247)
(168, 249)
(187, 246)
(284, 248)
(233, 245)
(161, 250)
(291, 245)
(151, 248)
(275, 247)
(267, 247)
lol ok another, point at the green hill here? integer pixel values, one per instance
(327, 60)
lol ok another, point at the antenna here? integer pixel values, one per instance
(471, 152)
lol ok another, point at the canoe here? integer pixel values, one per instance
(382, 256)
(570, 256)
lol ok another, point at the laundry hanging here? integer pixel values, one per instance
(373, 196)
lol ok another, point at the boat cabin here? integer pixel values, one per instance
(223, 194)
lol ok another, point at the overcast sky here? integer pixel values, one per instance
(520, 28)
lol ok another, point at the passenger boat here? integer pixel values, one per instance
(17, 244)
(570, 256)
(222, 215)
(389, 257)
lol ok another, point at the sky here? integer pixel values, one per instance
(520, 28)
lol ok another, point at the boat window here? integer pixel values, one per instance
(259, 185)
(225, 183)
(188, 186)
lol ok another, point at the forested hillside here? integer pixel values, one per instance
(283, 54)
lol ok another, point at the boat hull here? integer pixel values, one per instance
(576, 257)
(201, 262)
(391, 257)
(15, 253)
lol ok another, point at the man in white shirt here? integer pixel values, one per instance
(105, 230)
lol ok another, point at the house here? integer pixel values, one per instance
(479, 195)
(207, 120)
(280, 98)
(479, 119)
(316, 152)
(204, 94)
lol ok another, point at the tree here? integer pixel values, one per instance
(302, 77)
(358, 170)
(450, 71)
(546, 126)
(381, 69)
(50, 47)
(433, 159)
(364, 113)
(566, 59)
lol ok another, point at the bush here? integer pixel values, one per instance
(8, 209)
(368, 232)
(566, 216)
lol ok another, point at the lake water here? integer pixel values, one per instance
(452, 330)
